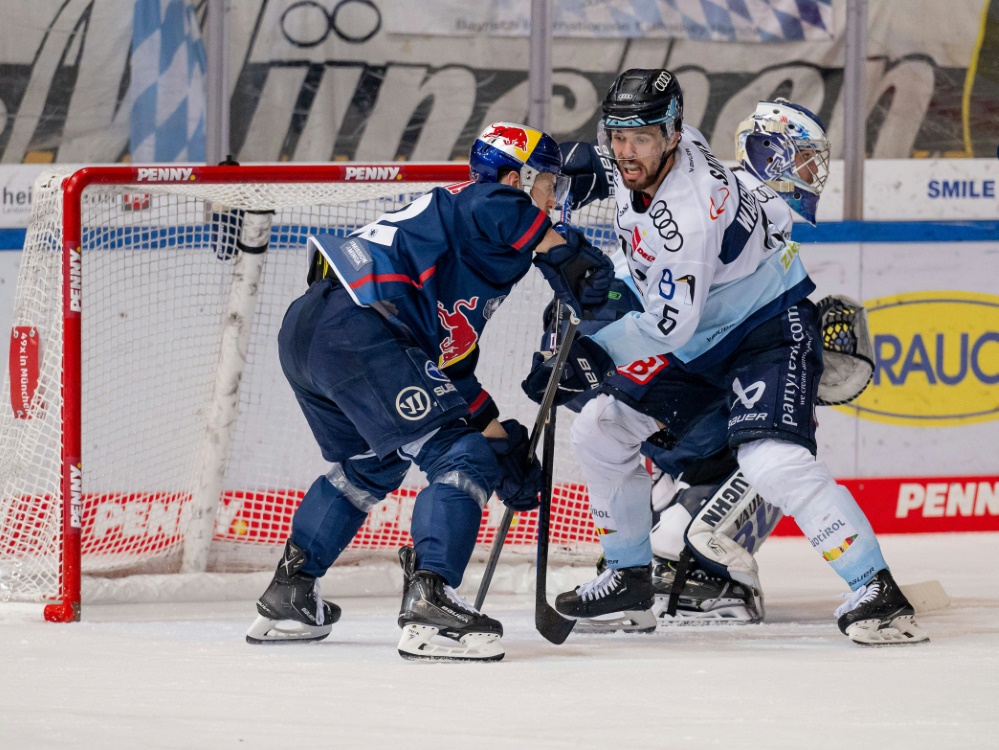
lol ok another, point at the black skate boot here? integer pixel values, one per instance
(430, 607)
(615, 600)
(292, 610)
(703, 598)
(879, 614)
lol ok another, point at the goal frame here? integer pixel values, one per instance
(67, 606)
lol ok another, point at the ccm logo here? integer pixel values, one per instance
(372, 173)
(165, 174)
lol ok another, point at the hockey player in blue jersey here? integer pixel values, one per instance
(726, 315)
(381, 354)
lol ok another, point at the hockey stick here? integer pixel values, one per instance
(552, 626)
(546, 406)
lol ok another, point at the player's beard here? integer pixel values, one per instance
(646, 176)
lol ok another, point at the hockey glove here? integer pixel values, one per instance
(587, 367)
(578, 273)
(522, 480)
(590, 172)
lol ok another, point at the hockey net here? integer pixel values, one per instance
(146, 427)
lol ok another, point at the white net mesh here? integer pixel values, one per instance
(159, 264)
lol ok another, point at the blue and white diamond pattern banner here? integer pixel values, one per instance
(168, 83)
(703, 20)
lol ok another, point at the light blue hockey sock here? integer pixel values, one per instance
(844, 537)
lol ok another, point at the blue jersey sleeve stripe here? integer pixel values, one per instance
(529, 238)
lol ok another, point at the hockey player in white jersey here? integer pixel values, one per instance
(698, 573)
(726, 315)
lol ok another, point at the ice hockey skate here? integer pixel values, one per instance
(292, 609)
(879, 614)
(616, 600)
(704, 598)
(437, 623)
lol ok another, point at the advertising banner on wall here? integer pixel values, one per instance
(343, 79)
(718, 21)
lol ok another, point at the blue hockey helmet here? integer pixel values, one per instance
(523, 149)
(785, 146)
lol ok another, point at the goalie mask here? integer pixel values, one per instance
(525, 150)
(785, 146)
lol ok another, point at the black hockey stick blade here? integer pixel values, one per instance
(552, 626)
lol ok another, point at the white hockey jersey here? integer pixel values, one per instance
(707, 260)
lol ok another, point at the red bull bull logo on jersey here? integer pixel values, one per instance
(462, 336)
(513, 139)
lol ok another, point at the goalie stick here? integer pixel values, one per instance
(543, 414)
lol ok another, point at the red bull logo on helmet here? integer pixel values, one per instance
(512, 139)
(462, 336)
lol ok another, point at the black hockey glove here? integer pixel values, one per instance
(586, 368)
(578, 273)
(522, 480)
(590, 172)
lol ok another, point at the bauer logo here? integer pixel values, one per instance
(372, 173)
(164, 174)
(936, 360)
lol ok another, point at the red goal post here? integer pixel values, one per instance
(149, 428)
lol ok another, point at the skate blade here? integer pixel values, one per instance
(627, 621)
(417, 642)
(267, 631)
(722, 612)
(899, 631)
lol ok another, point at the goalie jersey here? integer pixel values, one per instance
(708, 263)
(439, 268)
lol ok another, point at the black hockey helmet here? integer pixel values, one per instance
(641, 97)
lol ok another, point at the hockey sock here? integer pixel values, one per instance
(324, 524)
(445, 525)
(842, 534)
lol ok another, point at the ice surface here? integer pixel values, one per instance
(181, 676)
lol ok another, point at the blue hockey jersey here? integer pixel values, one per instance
(440, 267)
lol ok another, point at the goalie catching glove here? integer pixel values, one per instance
(578, 273)
(522, 479)
(586, 368)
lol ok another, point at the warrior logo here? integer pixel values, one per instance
(461, 337)
(412, 403)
